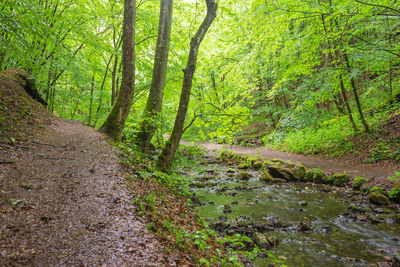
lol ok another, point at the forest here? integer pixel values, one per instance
(282, 91)
(301, 76)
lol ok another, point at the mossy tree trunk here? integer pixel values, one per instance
(155, 98)
(168, 152)
(115, 121)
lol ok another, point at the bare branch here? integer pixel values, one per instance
(377, 5)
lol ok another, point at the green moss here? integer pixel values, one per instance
(308, 176)
(394, 194)
(377, 189)
(328, 179)
(364, 188)
(358, 182)
(244, 166)
(357, 208)
(257, 164)
(318, 176)
(378, 198)
(340, 179)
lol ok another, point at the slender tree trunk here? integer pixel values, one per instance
(168, 152)
(356, 98)
(49, 74)
(91, 102)
(390, 80)
(346, 103)
(155, 98)
(117, 45)
(113, 77)
(115, 121)
(102, 88)
(118, 84)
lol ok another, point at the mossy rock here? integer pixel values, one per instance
(364, 188)
(243, 175)
(358, 182)
(377, 189)
(340, 179)
(261, 240)
(308, 176)
(230, 170)
(279, 171)
(267, 177)
(318, 176)
(244, 166)
(299, 171)
(378, 198)
(277, 161)
(257, 164)
(287, 170)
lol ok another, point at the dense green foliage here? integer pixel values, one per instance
(284, 70)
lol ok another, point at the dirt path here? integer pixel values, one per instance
(327, 165)
(74, 208)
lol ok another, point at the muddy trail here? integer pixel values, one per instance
(372, 171)
(64, 201)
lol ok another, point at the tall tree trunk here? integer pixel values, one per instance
(346, 103)
(165, 159)
(155, 98)
(91, 102)
(115, 121)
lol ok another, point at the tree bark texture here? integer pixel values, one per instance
(155, 98)
(168, 152)
(115, 121)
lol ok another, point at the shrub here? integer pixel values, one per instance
(395, 194)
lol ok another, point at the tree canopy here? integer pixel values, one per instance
(303, 75)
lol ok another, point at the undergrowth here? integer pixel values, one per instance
(335, 136)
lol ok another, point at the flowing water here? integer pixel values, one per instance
(309, 227)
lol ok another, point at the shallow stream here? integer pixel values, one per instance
(307, 226)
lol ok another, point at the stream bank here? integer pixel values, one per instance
(308, 224)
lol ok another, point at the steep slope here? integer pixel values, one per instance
(20, 115)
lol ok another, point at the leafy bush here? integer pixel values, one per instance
(380, 152)
(395, 177)
(394, 194)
